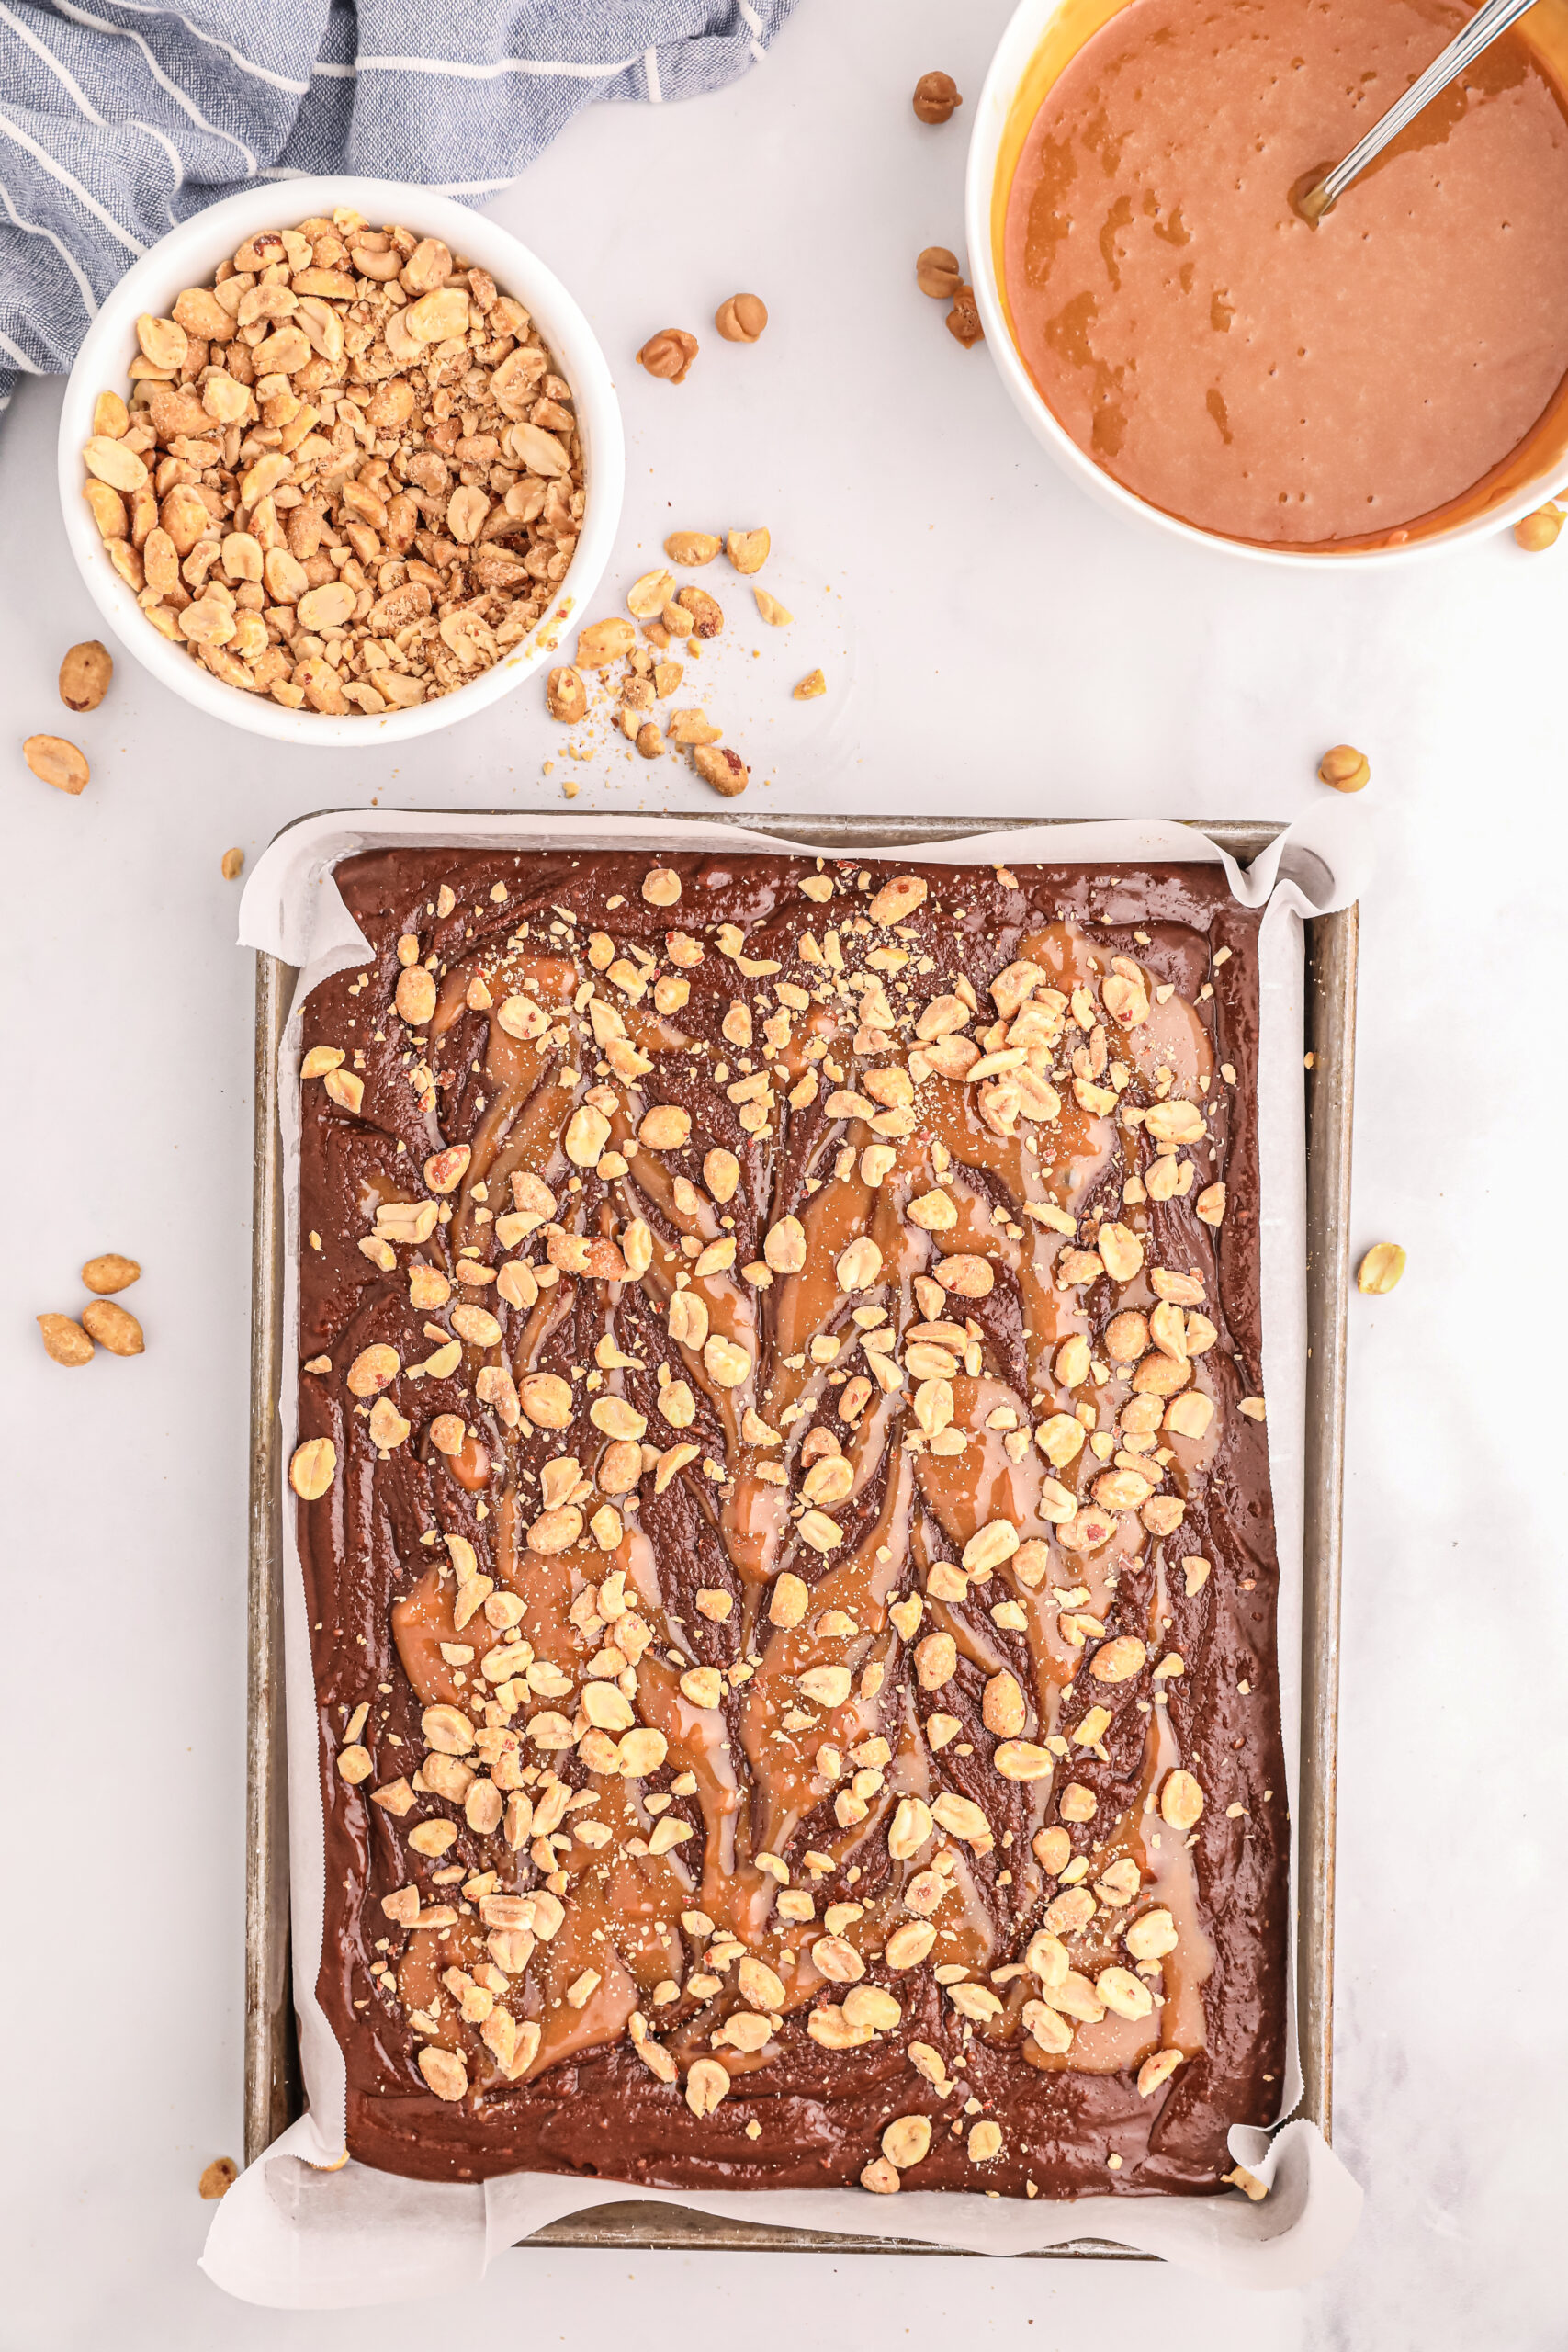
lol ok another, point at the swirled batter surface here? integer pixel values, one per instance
(789, 1549)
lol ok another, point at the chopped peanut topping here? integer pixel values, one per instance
(787, 1347)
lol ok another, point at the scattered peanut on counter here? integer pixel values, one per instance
(85, 675)
(936, 97)
(669, 355)
(723, 769)
(670, 618)
(110, 1272)
(230, 864)
(1537, 532)
(747, 550)
(65, 1342)
(115, 1329)
(219, 2178)
(56, 762)
(566, 697)
(743, 318)
(963, 319)
(937, 273)
(1345, 768)
(1381, 1269)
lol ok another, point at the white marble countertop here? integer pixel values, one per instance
(994, 645)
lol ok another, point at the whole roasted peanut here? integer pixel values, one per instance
(63, 1340)
(963, 319)
(108, 460)
(690, 547)
(1181, 1801)
(230, 864)
(110, 1272)
(111, 418)
(566, 695)
(415, 995)
(1381, 1269)
(313, 1468)
(649, 741)
(1537, 532)
(201, 313)
(936, 95)
(665, 1127)
(907, 2139)
(721, 1174)
(724, 770)
(164, 340)
(85, 675)
(1126, 1336)
(937, 273)
(108, 508)
(669, 353)
(743, 318)
(1345, 768)
(114, 1327)
(56, 762)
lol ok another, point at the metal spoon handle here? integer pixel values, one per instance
(1482, 30)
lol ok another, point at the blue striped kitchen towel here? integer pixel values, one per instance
(122, 117)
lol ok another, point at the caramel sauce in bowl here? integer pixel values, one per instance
(1393, 384)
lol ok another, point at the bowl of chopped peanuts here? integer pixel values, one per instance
(340, 460)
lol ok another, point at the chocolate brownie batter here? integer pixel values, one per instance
(787, 1524)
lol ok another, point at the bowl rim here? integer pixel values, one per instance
(1020, 37)
(186, 257)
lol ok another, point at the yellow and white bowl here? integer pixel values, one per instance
(1041, 41)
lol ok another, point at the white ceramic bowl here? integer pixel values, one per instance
(1030, 25)
(188, 256)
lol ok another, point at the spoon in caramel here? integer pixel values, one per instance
(1321, 190)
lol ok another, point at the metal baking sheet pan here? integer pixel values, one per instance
(272, 2096)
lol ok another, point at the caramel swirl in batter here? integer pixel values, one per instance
(783, 1499)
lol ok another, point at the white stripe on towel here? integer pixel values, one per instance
(246, 64)
(466, 72)
(9, 129)
(186, 105)
(61, 73)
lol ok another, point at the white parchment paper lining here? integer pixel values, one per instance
(304, 2227)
